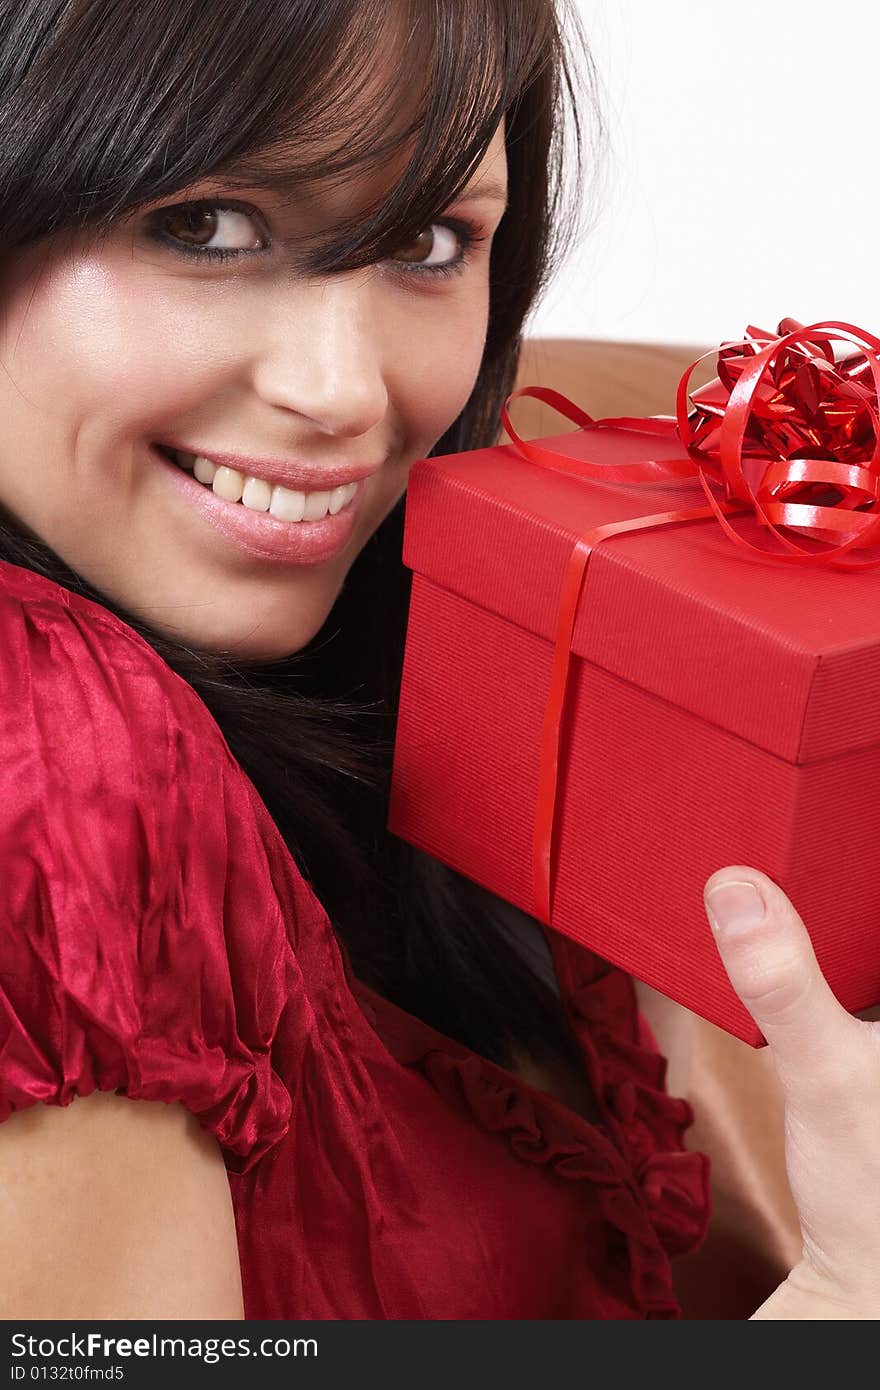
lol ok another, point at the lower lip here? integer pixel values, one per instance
(259, 533)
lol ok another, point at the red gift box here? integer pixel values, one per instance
(714, 706)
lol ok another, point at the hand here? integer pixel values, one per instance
(828, 1065)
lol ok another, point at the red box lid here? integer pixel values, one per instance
(785, 656)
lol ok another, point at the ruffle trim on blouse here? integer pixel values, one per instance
(248, 1111)
(648, 1122)
(651, 1192)
(240, 1100)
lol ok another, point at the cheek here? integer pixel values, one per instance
(100, 347)
(439, 366)
(99, 344)
(433, 379)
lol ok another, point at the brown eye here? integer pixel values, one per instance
(191, 229)
(418, 251)
(193, 223)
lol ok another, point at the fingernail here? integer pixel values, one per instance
(735, 906)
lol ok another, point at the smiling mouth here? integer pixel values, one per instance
(259, 495)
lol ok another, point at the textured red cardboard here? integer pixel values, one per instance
(720, 709)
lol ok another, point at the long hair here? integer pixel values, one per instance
(106, 105)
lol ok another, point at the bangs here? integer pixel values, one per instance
(401, 99)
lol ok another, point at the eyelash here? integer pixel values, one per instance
(468, 233)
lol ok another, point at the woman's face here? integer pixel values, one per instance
(109, 351)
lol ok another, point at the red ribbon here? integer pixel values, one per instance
(789, 431)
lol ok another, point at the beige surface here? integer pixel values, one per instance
(602, 378)
(754, 1237)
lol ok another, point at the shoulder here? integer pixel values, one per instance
(55, 637)
(87, 706)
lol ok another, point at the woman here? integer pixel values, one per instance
(249, 276)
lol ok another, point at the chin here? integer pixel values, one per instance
(261, 618)
(262, 647)
(246, 641)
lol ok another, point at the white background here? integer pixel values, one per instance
(742, 171)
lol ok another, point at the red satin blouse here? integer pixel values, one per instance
(157, 939)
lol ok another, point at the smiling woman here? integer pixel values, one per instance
(248, 277)
(236, 355)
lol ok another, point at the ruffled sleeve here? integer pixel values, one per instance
(120, 970)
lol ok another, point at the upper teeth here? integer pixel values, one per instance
(284, 503)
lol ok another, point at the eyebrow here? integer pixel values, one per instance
(260, 175)
(490, 188)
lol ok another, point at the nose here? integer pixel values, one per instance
(323, 360)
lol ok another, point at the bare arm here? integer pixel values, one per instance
(114, 1208)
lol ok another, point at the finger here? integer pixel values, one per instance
(770, 961)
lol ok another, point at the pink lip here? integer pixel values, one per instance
(289, 473)
(260, 534)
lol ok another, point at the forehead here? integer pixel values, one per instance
(388, 122)
(365, 156)
(490, 176)
(327, 198)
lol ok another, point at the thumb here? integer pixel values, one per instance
(770, 961)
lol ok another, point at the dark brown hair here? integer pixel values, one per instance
(107, 105)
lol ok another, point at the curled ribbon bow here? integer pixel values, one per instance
(789, 429)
